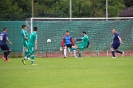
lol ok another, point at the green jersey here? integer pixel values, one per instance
(33, 38)
(24, 34)
(84, 43)
(85, 39)
(31, 42)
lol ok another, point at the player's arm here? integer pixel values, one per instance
(6, 36)
(63, 41)
(25, 38)
(24, 35)
(120, 39)
(111, 43)
(78, 39)
(72, 41)
(8, 40)
(36, 42)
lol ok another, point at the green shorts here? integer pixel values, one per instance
(25, 44)
(82, 46)
(31, 48)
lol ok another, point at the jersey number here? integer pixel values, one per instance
(1, 38)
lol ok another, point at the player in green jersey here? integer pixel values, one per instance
(25, 40)
(32, 45)
(84, 44)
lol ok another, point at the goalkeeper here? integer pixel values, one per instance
(67, 42)
(83, 45)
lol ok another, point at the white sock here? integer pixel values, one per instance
(69, 50)
(74, 52)
(65, 52)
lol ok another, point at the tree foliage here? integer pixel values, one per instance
(21, 9)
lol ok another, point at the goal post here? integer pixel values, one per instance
(31, 24)
(98, 30)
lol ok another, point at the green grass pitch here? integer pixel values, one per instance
(90, 72)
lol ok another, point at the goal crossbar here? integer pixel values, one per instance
(99, 18)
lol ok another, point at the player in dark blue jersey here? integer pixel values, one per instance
(116, 43)
(67, 42)
(3, 44)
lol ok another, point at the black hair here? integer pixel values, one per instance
(35, 28)
(67, 31)
(23, 26)
(4, 29)
(84, 32)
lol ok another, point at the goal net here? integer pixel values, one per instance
(98, 30)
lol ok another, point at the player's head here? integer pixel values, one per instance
(24, 27)
(83, 33)
(114, 31)
(4, 29)
(35, 29)
(67, 33)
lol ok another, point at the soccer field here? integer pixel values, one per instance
(89, 72)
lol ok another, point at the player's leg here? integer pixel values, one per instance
(113, 53)
(4, 56)
(79, 47)
(69, 50)
(73, 48)
(74, 52)
(26, 57)
(7, 51)
(80, 54)
(33, 56)
(32, 59)
(26, 53)
(118, 51)
(28, 50)
(4, 52)
(65, 51)
(113, 47)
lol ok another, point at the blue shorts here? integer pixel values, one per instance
(4, 47)
(115, 45)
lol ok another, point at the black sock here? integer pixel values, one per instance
(7, 53)
(113, 53)
(118, 51)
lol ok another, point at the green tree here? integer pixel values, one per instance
(115, 7)
(48, 7)
(21, 9)
(8, 8)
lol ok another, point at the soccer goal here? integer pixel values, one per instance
(98, 30)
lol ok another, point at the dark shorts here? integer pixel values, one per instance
(68, 45)
(115, 45)
(4, 47)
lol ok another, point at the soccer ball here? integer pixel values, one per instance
(48, 40)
